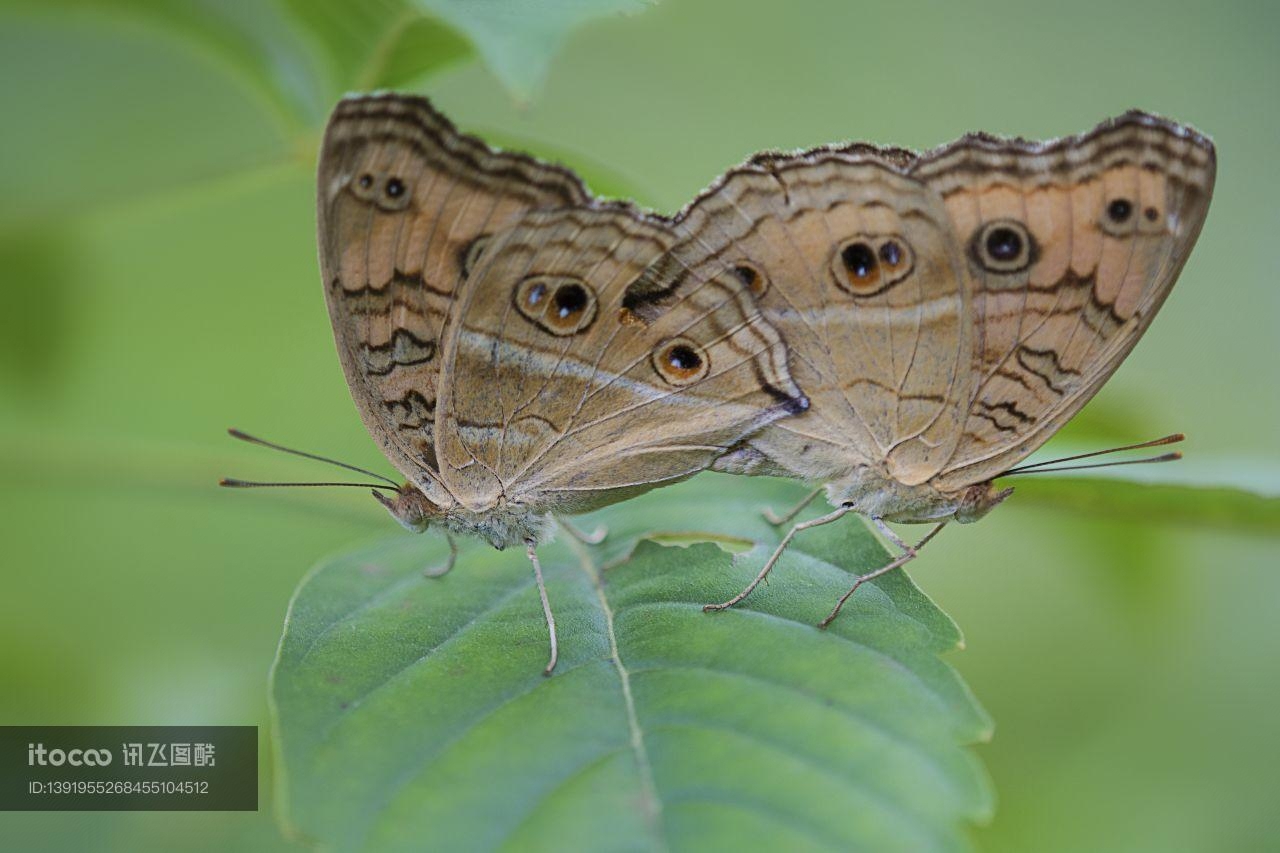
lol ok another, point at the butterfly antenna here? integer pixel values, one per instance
(1156, 442)
(251, 484)
(1167, 457)
(251, 439)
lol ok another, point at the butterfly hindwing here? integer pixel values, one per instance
(557, 393)
(855, 264)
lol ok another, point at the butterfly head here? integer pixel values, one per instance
(410, 507)
(978, 500)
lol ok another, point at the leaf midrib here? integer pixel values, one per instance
(650, 802)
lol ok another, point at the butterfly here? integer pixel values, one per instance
(476, 298)
(945, 313)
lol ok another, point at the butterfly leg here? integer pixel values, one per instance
(887, 532)
(595, 537)
(908, 554)
(782, 546)
(531, 550)
(442, 570)
(779, 520)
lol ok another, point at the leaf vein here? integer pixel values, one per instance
(652, 804)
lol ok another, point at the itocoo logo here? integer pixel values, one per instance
(38, 755)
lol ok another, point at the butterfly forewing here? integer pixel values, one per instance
(405, 206)
(1073, 246)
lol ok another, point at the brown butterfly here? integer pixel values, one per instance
(477, 300)
(945, 313)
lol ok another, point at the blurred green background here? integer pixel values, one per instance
(160, 284)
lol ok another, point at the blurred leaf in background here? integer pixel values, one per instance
(156, 231)
(394, 42)
(40, 262)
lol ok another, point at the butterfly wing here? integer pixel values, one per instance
(855, 264)
(1072, 246)
(405, 205)
(555, 395)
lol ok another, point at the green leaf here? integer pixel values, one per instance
(517, 38)
(1221, 507)
(44, 264)
(369, 47)
(1238, 494)
(164, 117)
(402, 41)
(250, 38)
(412, 712)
